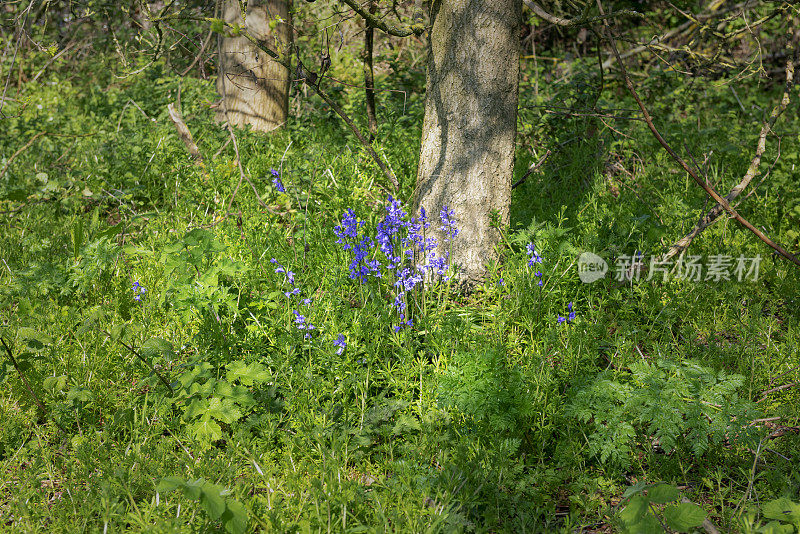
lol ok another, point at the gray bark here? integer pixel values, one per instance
(469, 130)
(254, 88)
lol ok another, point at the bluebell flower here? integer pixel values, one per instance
(348, 234)
(138, 291)
(535, 258)
(341, 343)
(448, 218)
(283, 270)
(570, 317)
(276, 181)
(293, 292)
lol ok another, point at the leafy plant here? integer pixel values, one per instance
(672, 404)
(641, 514)
(195, 265)
(209, 402)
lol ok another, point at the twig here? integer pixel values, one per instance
(532, 169)
(778, 388)
(27, 385)
(20, 151)
(142, 359)
(199, 55)
(389, 174)
(582, 20)
(707, 188)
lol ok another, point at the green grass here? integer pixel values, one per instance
(464, 422)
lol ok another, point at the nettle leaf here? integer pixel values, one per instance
(684, 517)
(247, 375)
(33, 339)
(55, 383)
(663, 493)
(636, 488)
(783, 510)
(774, 527)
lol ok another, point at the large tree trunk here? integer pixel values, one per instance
(467, 155)
(254, 88)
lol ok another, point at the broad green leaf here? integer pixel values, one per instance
(684, 517)
(155, 346)
(223, 410)
(774, 527)
(168, 484)
(247, 375)
(783, 510)
(212, 501)
(193, 488)
(663, 493)
(235, 517)
(206, 431)
(33, 339)
(55, 383)
(636, 488)
(637, 507)
(238, 394)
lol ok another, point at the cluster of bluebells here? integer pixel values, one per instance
(533, 260)
(409, 255)
(299, 320)
(570, 317)
(276, 181)
(341, 343)
(138, 291)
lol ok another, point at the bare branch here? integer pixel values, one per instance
(706, 187)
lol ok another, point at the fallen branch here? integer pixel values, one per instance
(761, 146)
(186, 135)
(700, 181)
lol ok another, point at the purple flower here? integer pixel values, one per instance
(282, 270)
(448, 218)
(348, 234)
(570, 317)
(138, 291)
(535, 258)
(341, 343)
(276, 181)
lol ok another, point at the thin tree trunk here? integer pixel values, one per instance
(255, 88)
(369, 74)
(467, 150)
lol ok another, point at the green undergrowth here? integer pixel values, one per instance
(199, 405)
